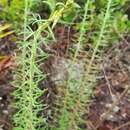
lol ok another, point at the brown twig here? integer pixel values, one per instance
(113, 105)
(89, 123)
(5, 122)
(121, 126)
(108, 82)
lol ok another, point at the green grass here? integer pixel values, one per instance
(27, 78)
(79, 87)
(79, 91)
(28, 75)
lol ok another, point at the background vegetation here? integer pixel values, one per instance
(98, 24)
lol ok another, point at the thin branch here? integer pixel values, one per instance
(113, 105)
(108, 82)
(121, 126)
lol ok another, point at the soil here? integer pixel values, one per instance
(55, 68)
(7, 47)
(110, 107)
